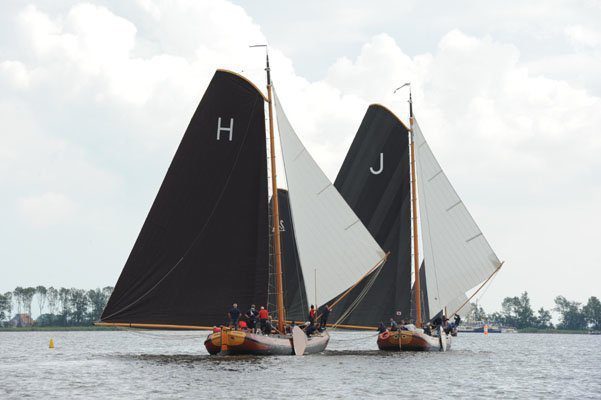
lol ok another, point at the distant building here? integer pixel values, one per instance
(20, 320)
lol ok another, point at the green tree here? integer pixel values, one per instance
(97, 299)
(78, 305)
(8, 305)
(543, 319)
(27, 298)
(65, 305)
(53, 300)
(592, 313)
(476, 313)
(3, 308)
(572, 316)
(18, 296)
(41, 293)
(516, 311)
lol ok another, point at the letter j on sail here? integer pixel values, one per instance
(379, 171)
(221, 128)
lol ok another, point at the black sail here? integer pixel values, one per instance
(295, 296)
(374, 180)
(423, 293)
(205, 241)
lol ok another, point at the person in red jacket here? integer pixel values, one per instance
(263, 317)
(312, 314)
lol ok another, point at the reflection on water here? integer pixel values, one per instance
(140, 365)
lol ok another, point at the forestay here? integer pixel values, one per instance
(332, 242)
(456, 252)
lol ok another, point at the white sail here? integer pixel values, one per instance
(456, 253)
(332, 242)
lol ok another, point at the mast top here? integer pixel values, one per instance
(410, 100)
(267, 69)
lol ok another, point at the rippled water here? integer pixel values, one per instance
(125, 364)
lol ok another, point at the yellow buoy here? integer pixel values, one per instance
(51, 345)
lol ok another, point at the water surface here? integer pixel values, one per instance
(168, 365)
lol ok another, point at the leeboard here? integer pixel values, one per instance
(299, 341)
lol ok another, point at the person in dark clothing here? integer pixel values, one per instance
(310, 329)
(269, 328)
(325, 313)
(233, 315)
(457, 319)
(393, 325)
(381, 327)
(252, 315)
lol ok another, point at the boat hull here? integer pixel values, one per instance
(240, 343)
(412, 341)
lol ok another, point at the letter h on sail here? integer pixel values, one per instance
(229, 129)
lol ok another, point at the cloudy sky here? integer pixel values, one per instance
(94, 98)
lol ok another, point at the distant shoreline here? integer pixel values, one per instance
(555, 331)
(58, 328)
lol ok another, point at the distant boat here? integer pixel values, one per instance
(388, 170)
(480, 327)
(209, 238)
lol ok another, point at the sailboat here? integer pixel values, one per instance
(212, 238)
(388, 170)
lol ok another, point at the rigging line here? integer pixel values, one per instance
(358, 299)
(379, 264)
(358, 339)
(481, 286)
(202, 229)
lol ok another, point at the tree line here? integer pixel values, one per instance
(518, 313)
(79, 307)
(55, 307)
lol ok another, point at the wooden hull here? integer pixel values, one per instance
(412, 341)
(239, 342)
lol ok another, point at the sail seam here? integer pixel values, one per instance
(473, 237)
(435, 175)
(453, 206)
(350, 226)
(299, 154)
(324, 189)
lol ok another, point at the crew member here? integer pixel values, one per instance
(233, 315)
(325, 313)
(251, 315)
(393, 325)
(312, 314)
(263, 317)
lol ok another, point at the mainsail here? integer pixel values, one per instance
(333, 244)
(456, 253)
(205, 241)
(374, 181)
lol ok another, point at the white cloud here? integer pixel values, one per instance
(96, 99)
(46, 209)
(15, 73)
(580, 35)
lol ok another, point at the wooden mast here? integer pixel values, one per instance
(276, 211)
(418, 294)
